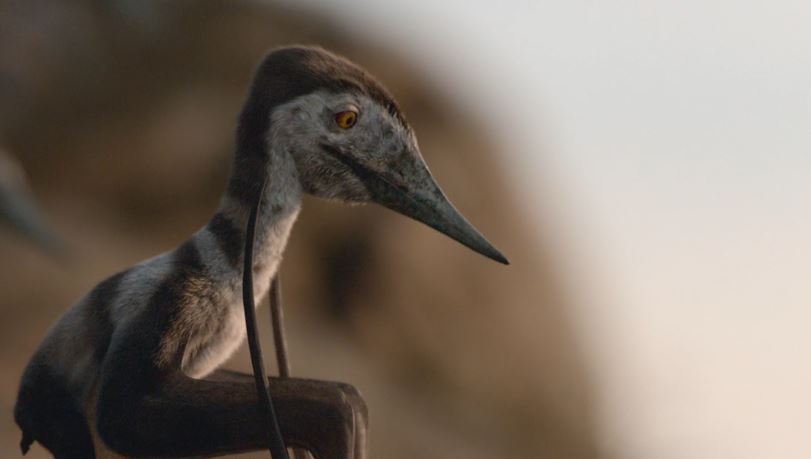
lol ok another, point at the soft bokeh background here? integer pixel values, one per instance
(652, 176)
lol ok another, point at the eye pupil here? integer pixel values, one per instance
(346, 119)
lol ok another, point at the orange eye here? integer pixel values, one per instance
(346, 119)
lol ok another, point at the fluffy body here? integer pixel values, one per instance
(204, 324)
(135, 362)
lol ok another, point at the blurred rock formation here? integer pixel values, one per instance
(123, 114)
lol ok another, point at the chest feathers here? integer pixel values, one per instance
(209, 325)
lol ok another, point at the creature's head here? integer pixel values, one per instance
(348, 138)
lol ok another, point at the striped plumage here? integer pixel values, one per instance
(135, 361)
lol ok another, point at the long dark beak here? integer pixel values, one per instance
(413, 192)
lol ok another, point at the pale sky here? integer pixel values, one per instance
(673, 144)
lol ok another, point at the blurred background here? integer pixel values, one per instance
(646, 166)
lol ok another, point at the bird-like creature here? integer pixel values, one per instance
(135, 362)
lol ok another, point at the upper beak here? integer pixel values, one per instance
(427, 203)
(414, 193)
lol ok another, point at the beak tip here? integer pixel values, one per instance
(497, 256)
(487, 249)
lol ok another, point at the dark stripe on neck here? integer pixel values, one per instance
(229, 238)
(187, 259)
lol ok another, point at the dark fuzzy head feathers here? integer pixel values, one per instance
(347, 138)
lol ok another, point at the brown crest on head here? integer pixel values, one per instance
(375, 158)
(284, 74)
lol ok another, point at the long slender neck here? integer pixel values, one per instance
(281, 203)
